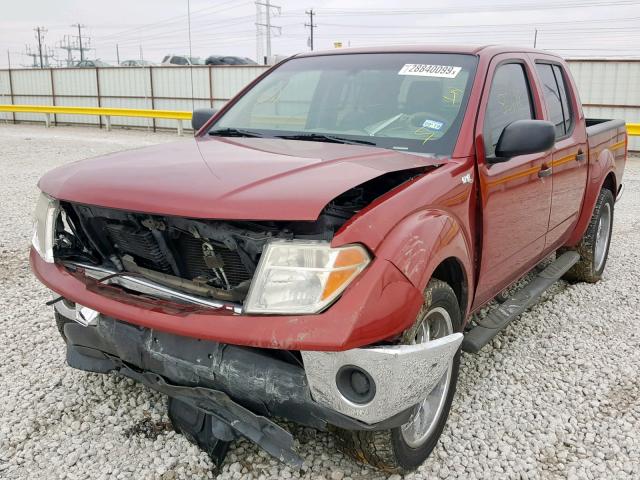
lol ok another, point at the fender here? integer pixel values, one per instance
(422, 241)
(424, 235)
(599, 169)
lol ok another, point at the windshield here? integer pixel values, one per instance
(402, 101)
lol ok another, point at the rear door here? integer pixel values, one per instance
(515, 194)
(570, 152)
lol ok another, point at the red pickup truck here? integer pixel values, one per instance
(318, 251)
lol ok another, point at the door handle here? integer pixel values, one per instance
(544, 172)
(580, 156)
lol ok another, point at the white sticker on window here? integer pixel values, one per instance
(444, 71)
(432, 124)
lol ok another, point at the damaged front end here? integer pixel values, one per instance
(210, 263)
(231, 390)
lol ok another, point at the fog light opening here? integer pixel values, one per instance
(355, 384)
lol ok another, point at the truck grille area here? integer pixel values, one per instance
(139, 244)
(191, 253)
(202, 257)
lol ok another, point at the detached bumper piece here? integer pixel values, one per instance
(218, 392)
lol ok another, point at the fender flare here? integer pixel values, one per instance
(599, 171)
(422, 241)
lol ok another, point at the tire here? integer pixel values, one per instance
(389, 450)
(61, 321)
(594, 245)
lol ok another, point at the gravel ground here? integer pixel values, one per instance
(557, 394)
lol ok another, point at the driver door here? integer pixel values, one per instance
(516, 193)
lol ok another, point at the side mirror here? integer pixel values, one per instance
(523, 137)
(200, 117)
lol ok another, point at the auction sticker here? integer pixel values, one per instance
(433, 124)
(422, 70)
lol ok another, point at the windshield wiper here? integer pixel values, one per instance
(234, 132)
(321, 137)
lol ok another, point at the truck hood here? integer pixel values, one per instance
(226, 178)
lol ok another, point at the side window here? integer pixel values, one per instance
(552, 97)
(564, 97)
(509, 100)
(179, 60)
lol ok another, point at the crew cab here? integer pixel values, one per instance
(317, 252)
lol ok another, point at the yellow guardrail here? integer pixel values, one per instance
(632, 128)
(106, 112)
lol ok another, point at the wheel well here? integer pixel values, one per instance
(610, 183)
(451, 272)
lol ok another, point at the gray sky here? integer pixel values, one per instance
(572, 28)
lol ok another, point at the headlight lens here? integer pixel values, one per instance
(44, 222)
(303, 276)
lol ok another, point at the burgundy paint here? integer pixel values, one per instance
(493, 227)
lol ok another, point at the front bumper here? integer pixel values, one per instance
(380, 304)
(261, 380)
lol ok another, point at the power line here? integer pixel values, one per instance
(311, 26)
(268, 27)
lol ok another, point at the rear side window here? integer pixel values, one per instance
(555, 96)
(509, 100)
(564, 98)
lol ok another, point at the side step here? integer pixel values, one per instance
(501, 316)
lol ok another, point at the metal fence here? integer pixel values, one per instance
(157, 88)
(609, 89)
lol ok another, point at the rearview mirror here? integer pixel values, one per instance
(523, 137)
(201, 116)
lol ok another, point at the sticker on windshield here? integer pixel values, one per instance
(432, 124)
(422, 70)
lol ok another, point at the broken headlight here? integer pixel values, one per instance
(303, 276)
(44, 222)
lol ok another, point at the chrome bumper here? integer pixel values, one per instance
(403, 376)
(149, 287)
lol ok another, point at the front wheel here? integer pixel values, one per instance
(405, 448)
(594, 245)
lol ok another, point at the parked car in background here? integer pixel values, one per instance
(91, 64)
(181, 60)
(228, 60)
(318, 251)
(136, 63)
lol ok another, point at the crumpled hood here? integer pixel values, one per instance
(224, 178)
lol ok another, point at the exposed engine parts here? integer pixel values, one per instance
(209, 258)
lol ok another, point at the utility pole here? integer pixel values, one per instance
(80, 27)
(40, 31)
(268, 6)
(9, 58)
(311, 26)
(141, 55)
(117, 54)
(535, 38)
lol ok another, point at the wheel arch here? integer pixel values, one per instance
(432, 244)
(602, 174)
(451, 271)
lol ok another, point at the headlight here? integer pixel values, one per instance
(44, 222)
(302, 276)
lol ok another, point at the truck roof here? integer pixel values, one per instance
(480, 50)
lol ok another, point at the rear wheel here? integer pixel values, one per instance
(406, 447)
(594, 245)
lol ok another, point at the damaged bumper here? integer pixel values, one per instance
(242, 387)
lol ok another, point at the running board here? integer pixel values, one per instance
(501, 316)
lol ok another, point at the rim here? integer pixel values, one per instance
(423, 422)
(602, 236)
